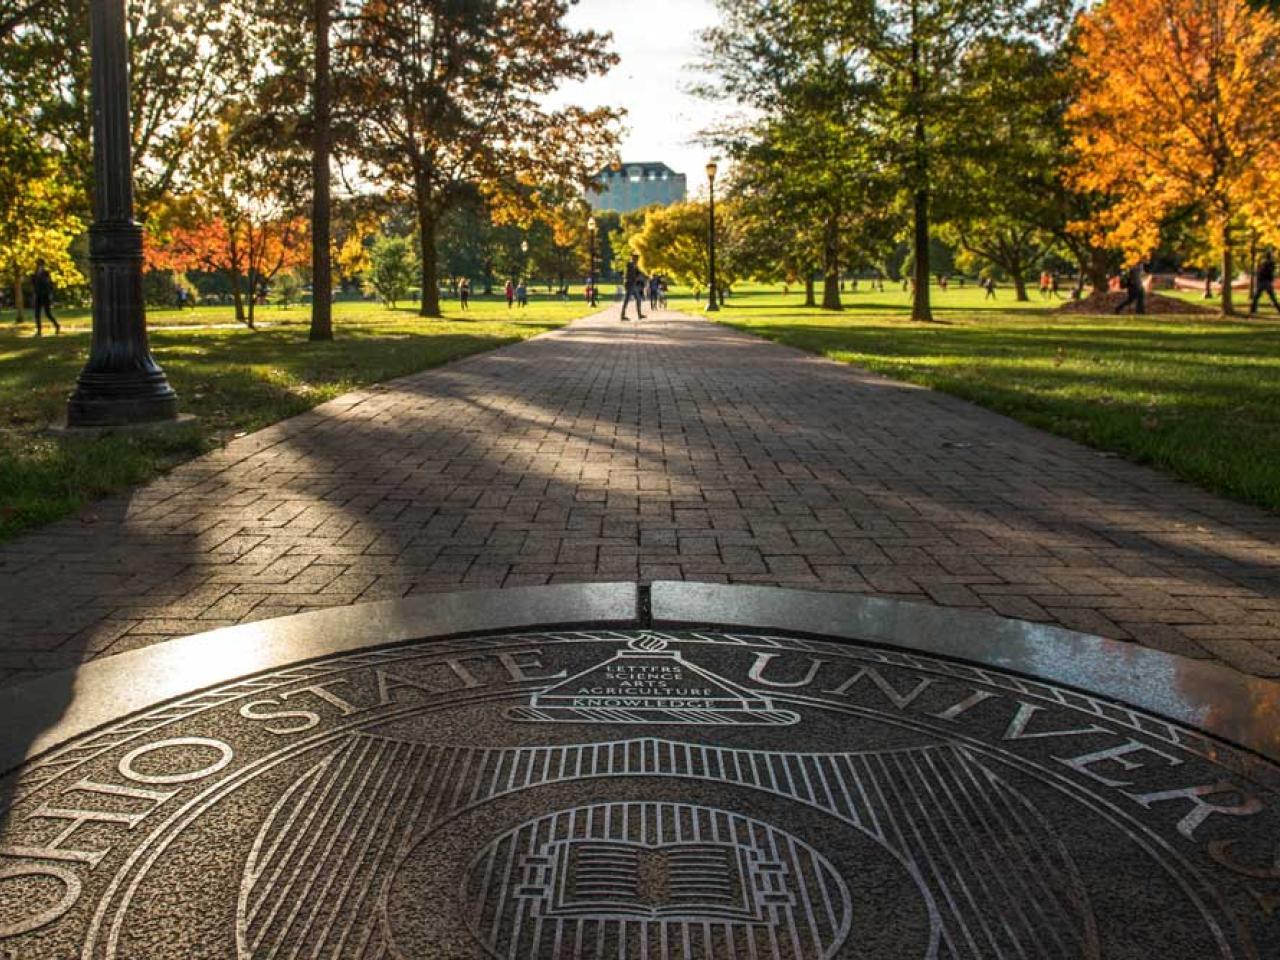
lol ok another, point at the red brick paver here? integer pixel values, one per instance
(664, 450)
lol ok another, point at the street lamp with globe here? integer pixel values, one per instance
(713, 302)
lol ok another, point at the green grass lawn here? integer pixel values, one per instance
(1197, 397)
(232, 378)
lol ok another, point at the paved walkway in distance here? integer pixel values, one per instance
(663, 450)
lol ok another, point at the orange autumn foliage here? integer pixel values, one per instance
(1179, 110)
(217, 246)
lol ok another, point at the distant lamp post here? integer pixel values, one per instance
(714, 302)
(121, 383)
(592, 227)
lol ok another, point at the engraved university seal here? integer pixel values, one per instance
(640, 795)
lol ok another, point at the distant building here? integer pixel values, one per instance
(636, 185)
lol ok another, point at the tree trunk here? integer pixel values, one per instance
(1228, 270)
(920, 308)
(253, 296)
(809, 300)
(430, 304)
(1208, 285)
(1019, 286)
(237, 295)
(321, 267)
(19, 314)
(1097, 270)
(831, 265)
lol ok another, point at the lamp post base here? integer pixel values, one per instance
(136, 427)
(116, 401)
(121, 383)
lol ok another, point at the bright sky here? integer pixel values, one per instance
(656, 40)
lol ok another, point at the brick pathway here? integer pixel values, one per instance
(664, 450)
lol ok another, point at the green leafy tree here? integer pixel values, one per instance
(186, 61)
(37, 218)
(895, 70)
(392, 269)
(449, 97)
(673, 242)
(1000, 181)
(288, 288)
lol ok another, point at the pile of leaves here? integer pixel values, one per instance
(1101, 303)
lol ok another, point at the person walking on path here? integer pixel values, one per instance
(1265, 282)
(989, 284)
(511, 293)
(42, 288)
(1136, 293)
(592, 293)
(464, 293)
(633, 287)
(522, 294)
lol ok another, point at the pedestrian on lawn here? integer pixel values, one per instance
(1265, 282)
(464, 293)
(42, 288)
(1136, 292)
(510, 292)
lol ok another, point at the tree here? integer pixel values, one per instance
(243, 215)
(1003, 170)
(36, 214)
(249, 251)
(805, 167)
(882, 77)
(1180, 107)
(288, 288)
(391, 269)
(558, 242)
(673, 242)
(914, 54)
(186, 60)
(450, 97)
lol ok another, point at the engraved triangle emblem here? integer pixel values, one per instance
(648, 683)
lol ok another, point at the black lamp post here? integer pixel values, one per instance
(592, 226)
(714, 302)
(121, 383)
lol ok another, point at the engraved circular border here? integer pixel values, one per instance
(60, 762)
(54, 763)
